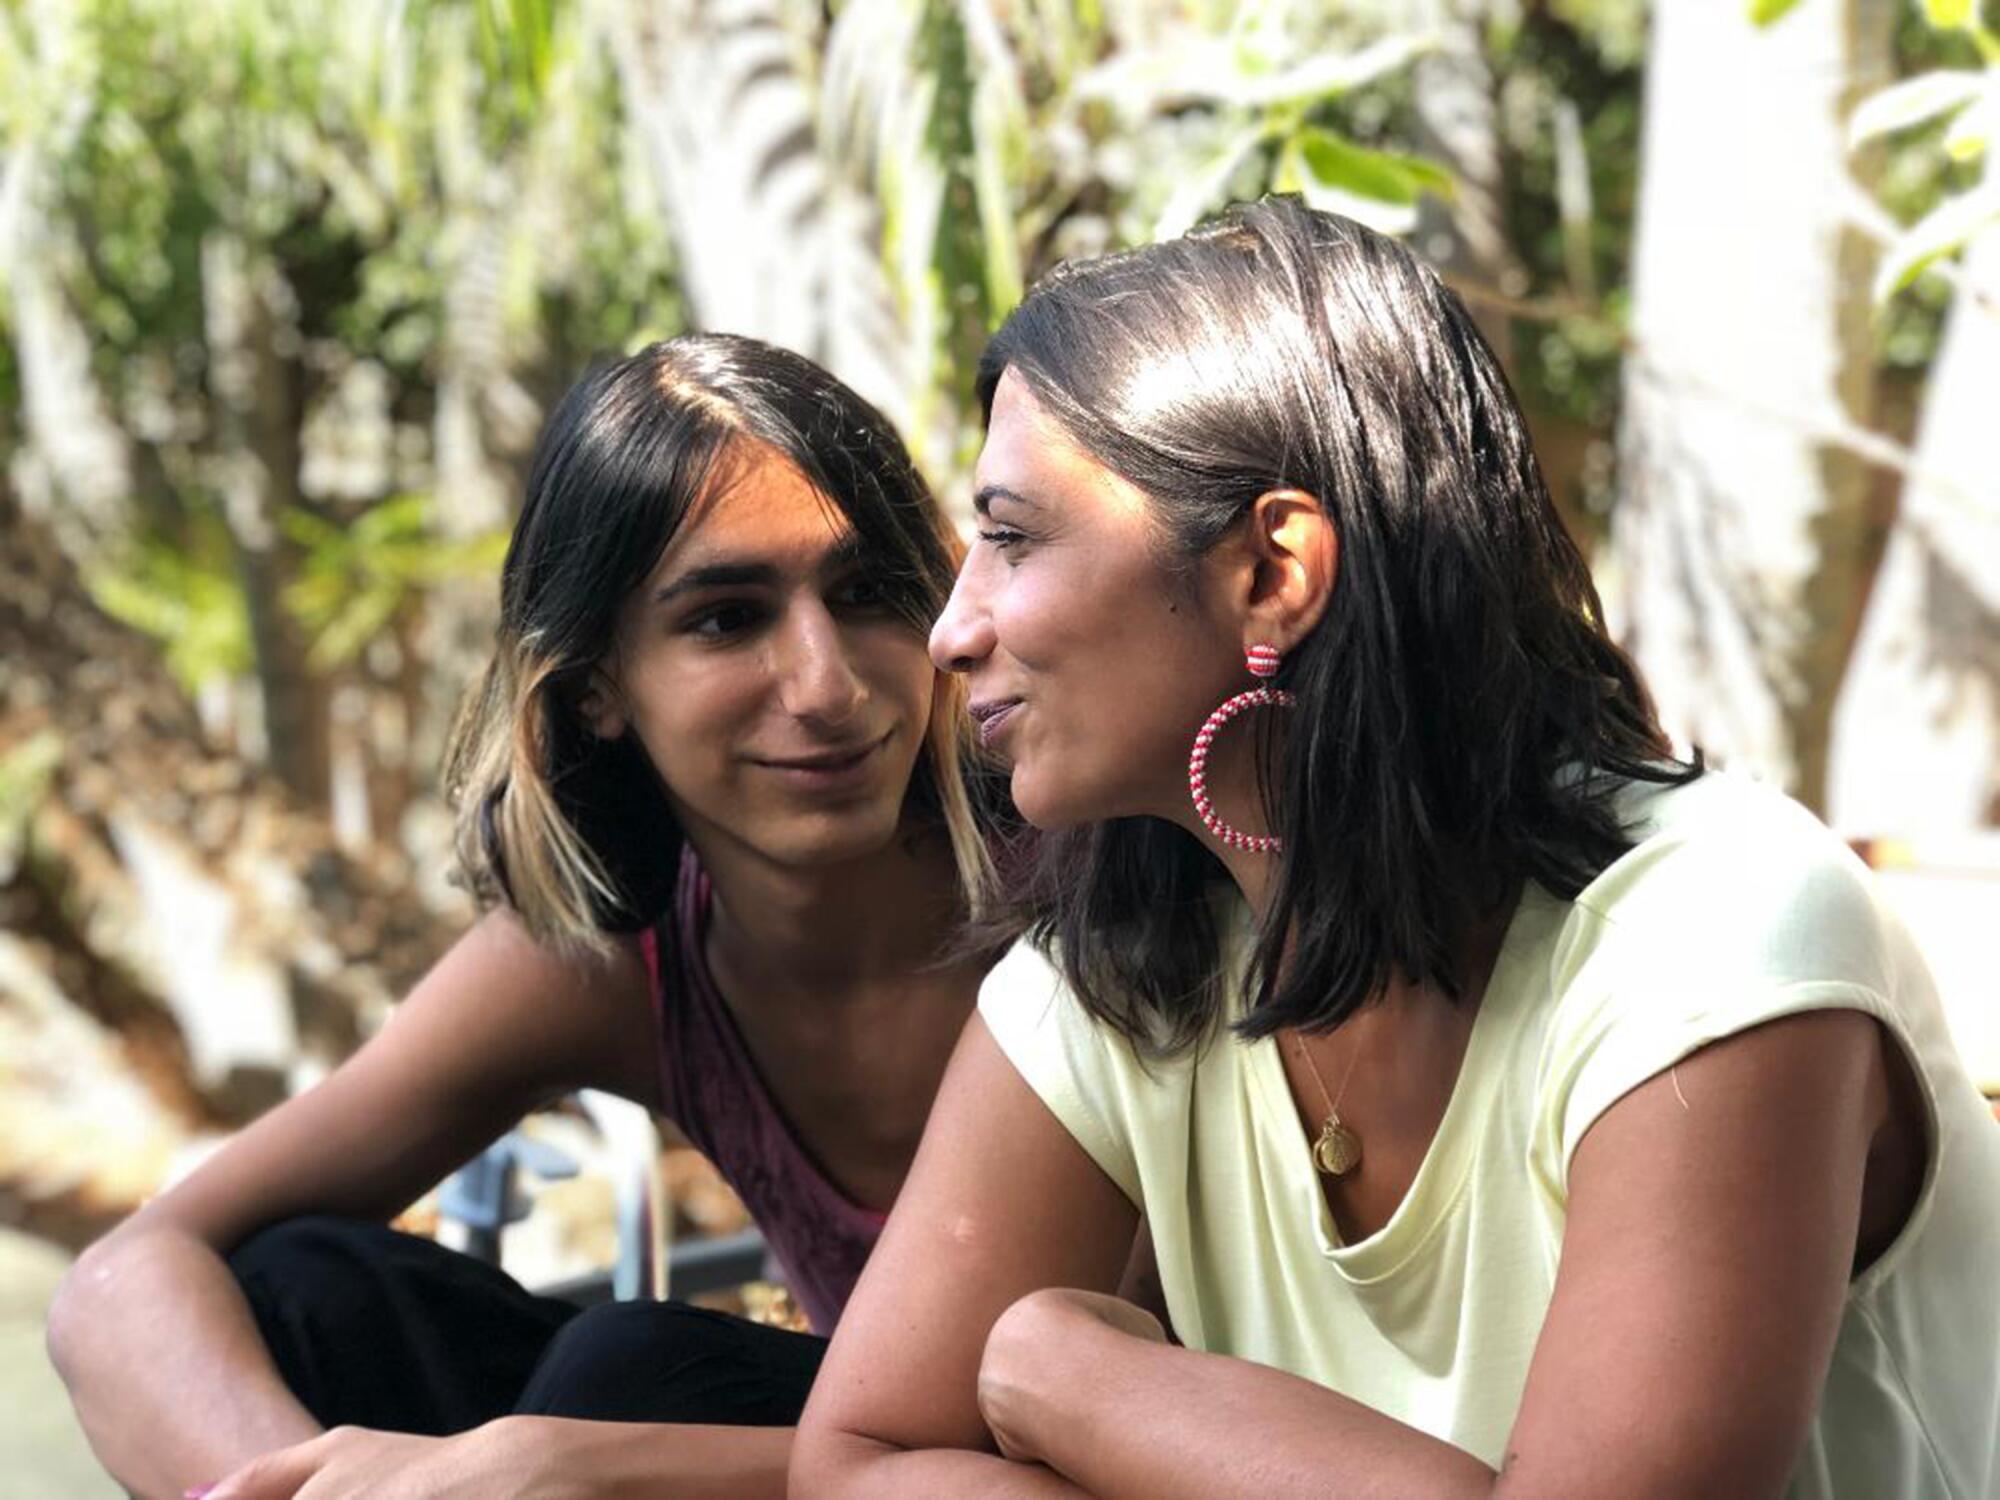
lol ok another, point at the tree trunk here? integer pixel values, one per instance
(1916, 745)
(771, 242)
(1457, 124)
(258, 388)
(1738, 557)
(79, 470)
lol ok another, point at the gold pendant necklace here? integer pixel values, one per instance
(1338, 1149)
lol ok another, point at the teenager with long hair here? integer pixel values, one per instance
(714, 795)
(1516, 1107)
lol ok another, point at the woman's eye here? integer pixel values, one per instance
(1002, 538)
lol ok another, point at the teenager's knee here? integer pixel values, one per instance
(670, 1362)
(318, 1244)
(596, 1363)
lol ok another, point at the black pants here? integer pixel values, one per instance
(379, 1329)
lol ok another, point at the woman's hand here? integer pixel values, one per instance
(358, 1461)
(1037, 1349)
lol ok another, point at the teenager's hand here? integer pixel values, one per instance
(359, 1461)
(1040, 1347)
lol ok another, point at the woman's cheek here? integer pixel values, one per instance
(1034, 612)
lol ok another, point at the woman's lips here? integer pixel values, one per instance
(992, 716)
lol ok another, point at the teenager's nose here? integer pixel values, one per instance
(963, 635)
(818, 680)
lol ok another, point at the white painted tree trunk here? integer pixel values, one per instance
(1457, 123)
(1736, 541)
(1916, 747)
(74, 470)
(771, 242)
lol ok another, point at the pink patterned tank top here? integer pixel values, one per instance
(711, 1089)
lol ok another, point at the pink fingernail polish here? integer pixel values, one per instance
(197, 1492)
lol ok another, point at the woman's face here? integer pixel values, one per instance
(1090, 669)
(782, 701)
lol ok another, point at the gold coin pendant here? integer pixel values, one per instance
(1338, 1149)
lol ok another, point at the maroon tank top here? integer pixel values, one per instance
(711, 1089)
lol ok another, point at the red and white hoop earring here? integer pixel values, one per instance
(1263, 662)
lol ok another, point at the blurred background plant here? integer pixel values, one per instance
(286, 289)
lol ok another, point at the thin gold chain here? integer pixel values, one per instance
(1332, 1100)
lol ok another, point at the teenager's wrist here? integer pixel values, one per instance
(572, 1458)
(534, 1455)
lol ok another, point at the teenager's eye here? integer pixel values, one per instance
(862, 592)
(721, 622)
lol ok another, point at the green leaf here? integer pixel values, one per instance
(1385, 176)
(998, 138)
(25, 772)
(1973, 131)
(1950, 15)
(1765, 12)
(200, 617)
(1941, 232)
(1912, 102)
(363, 617)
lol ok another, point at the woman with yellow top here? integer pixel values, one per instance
(1516, 1108)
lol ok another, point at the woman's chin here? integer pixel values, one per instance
(1051, 807)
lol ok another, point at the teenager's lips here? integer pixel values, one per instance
(828, 770)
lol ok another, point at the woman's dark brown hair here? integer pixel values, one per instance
(1463, 720)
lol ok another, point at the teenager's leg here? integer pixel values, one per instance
(386, 1330)
(669, 1362)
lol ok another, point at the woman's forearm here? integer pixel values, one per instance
(1126, 1416)
(171, 1382)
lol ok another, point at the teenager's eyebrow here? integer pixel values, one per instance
(843, 556)
(717, 576)
(983, 498)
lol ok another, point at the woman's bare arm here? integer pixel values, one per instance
(999, 1203)
(1713, 1221)
(171, 1382)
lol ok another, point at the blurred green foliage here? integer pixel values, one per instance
(378, 159)
(453, 190)
(356, 579)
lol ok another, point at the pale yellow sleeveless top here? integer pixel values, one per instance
(1736, 907)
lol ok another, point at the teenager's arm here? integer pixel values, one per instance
(1001, 1201)
(170, 1380)
(1713, 1220)
(549, 1457)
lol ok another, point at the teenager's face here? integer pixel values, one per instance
(782, 701)
(1089, 668)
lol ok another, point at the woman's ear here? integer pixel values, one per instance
(1295, 561)
(603, 706)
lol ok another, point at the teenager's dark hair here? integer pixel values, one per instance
(1463, 717)
(574, 831)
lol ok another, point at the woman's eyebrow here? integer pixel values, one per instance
(983, 498)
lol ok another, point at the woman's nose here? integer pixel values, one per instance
(963, 635)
